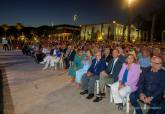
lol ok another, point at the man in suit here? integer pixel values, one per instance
(150, 87)
(110, 75)
(69, 56)
(93, 73)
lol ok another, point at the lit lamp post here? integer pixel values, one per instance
(114, 30)
(129, 19)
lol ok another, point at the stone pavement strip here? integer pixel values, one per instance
(30, 90)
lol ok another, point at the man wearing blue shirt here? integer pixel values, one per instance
(145, 61)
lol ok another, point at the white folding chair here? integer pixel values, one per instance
(61, 62)
(126, 99)
(97, 87)
(110, 93)
(144, 107)
(127, 104)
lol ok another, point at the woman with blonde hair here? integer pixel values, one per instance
(128, 78)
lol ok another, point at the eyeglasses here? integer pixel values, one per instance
(156, 62)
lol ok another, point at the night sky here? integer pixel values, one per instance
(45, 12)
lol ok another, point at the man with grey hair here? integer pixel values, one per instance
(150, 87)
(93, 74)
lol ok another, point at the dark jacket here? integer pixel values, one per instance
(100, 66)
(72, 55)
(116, 69)
(108, 58)
(122, 58)
(152, 83)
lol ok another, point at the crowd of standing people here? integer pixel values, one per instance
(9, 44)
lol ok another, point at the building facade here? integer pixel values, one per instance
(111, 31)
(65, 32)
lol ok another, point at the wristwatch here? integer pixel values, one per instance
(152, 98)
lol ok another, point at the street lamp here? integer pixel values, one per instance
(129, 18)
(114, 30)
(130, 2)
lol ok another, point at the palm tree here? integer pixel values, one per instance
(138, 21)
(12, 31)
(19, 26)
(5, 28)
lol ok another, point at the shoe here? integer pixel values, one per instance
(90, 96)
(42, 62)
(102, 94)
(84, 92)
(120, 106)
(44, 68)
(97, 99)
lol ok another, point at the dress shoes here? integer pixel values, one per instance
(90, 96)
(97, 99)
(84, 92)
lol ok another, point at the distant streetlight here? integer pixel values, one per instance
(52, 25)
(114, 30)
(75, 18)
(130, 2)
(114, 22)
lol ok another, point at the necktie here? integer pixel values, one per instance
(113, 66)
(96, 63)
(95, 69)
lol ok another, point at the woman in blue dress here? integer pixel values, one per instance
(86, 64)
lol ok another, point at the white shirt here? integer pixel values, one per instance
(54, 52)
(114, 62)
(45, 50)
(4, 41)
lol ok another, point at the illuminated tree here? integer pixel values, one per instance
(5, 28)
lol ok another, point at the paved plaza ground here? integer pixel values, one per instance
(27, 89)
